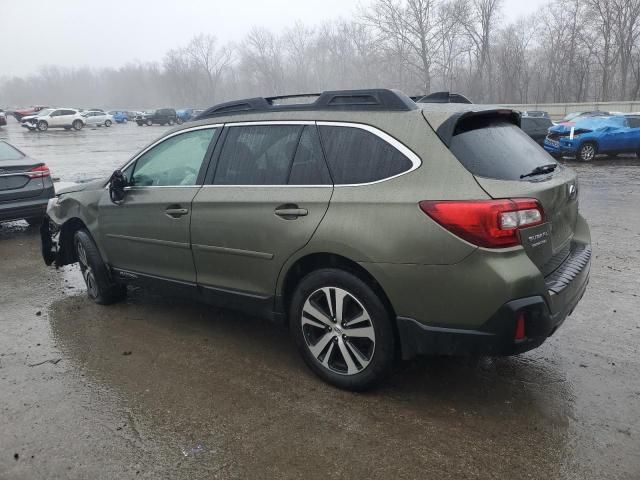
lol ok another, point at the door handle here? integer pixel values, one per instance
(176, 212)
(291, 212)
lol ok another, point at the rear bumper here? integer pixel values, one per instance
(26, 208)
(497, 336)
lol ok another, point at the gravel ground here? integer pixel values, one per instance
(158, 388)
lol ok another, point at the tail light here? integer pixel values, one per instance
(486, 223)
(40, 171)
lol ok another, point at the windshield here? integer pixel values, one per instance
(44, 112)
(149, 112)
(493, 148)
(7, 152)
(571, 116)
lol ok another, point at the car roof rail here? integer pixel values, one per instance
(344, 100)
(444, 97)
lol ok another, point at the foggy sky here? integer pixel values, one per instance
(99, 33)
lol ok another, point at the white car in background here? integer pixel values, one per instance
(47, 118)
(97, 118)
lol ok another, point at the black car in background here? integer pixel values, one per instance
(25, 186)
(536, 127)
(161, 116)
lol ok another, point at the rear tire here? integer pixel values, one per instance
(342, 329)
(171, 122)
(586, 152)
(100, 288)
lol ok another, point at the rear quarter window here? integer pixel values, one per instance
(358, 156)
(497, 149)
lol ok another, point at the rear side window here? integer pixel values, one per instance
(309, 167)
(357, 156)
(257, 155)
(634, 122)
(493, 148)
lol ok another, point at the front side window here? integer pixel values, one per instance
(257, 155)
(174, 162)
(358, 156)
(634, 122)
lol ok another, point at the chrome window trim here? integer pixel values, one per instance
(415, 160)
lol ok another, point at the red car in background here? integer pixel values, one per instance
(3, 118)
(23, 112)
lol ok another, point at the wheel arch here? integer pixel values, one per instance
(316, 261)
(66, 251)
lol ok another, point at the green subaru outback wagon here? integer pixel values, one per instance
(374, 227)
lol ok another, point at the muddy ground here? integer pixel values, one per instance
(156, 388)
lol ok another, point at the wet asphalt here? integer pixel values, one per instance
(159, 388)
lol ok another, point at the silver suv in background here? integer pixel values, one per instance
(47, 118)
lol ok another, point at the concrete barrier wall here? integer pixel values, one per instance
(559, 110)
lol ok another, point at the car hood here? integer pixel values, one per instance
(81, 187)
(28, 117)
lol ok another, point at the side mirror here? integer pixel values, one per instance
(116, 186)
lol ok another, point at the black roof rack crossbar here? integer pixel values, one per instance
(369, 100)
(444, 97)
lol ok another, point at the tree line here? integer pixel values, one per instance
(568, 51)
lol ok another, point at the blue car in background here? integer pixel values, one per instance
(119, 116)
(589, 136)
(184, 115)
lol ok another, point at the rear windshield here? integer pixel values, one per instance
(7, 152)
(497, 149)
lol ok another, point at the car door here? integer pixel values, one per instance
(148, 232)
(614, 136)
(270, 190)
(56, 118)
(633, 142)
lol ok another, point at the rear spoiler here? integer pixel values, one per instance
(467, 120)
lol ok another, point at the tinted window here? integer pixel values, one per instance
(496, 149)
(543, 123)
(57, 113)
(528, 124)
(358, 156)
(309, 167)
(257, 155)
(176, 161)
(68, 112)
(634, 122)
(7, 152)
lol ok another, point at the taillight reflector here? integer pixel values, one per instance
(486, 223)
(40, 171)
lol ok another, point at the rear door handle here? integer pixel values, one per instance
(176, 212)
(291, 212)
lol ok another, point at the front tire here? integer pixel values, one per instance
(342, 329)
(77, 125)
(107, 123)
(171, 122)
(586, 152)
(100, 288)
(149, 123)
(43, 126)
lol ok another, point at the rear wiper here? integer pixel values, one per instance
(541, 170)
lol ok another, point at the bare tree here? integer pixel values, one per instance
(212, 60)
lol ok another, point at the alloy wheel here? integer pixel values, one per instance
(338, 331)
(587, 153)
(87, 271)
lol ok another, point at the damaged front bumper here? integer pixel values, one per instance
(50, 239)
